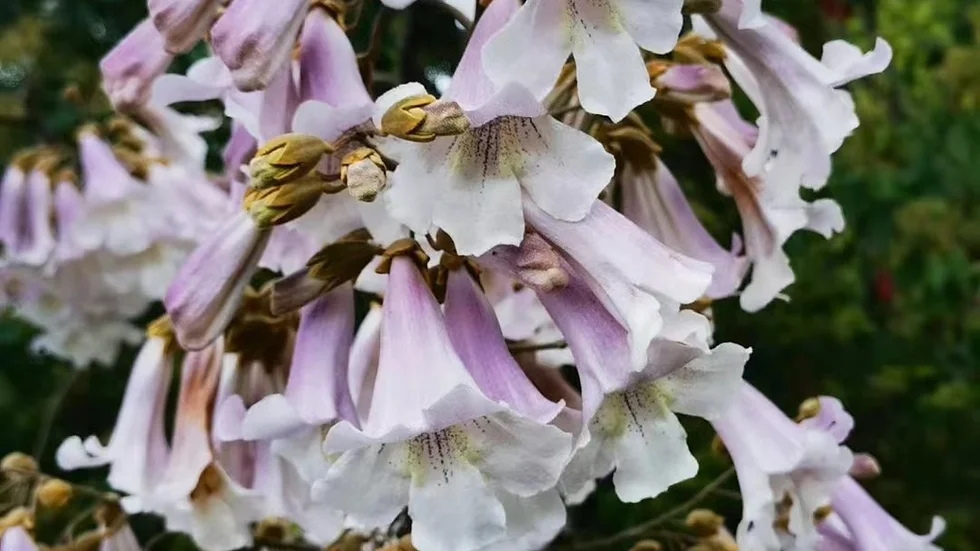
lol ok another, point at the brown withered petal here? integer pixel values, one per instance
(54, 493)
(334, 265)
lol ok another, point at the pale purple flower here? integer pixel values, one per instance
(693, 84)
(129, 69)
(653, 200)
(13, 190)
(137, 451)
(328, 70)
(771, 209)
(195, 494)
(35, 237)
(69, 205)
(182, 23)
(640, 280)
(868, 527)
(16, 538)
(471, 185)
(804, 117)
(629, 410)
(533, 521)
(604, 37)
(432, 440)
(207, 290)
(255, 39)
(316, 396)
(365, 352)
(786, 473)
(118, 217)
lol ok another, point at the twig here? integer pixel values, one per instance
(42, 437)
(556, 345)
(641, 529)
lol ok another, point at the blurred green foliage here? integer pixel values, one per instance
(885, 316)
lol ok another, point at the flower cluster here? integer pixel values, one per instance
(92, 237)
(429, 265)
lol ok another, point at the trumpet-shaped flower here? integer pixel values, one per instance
(604, 37)
(470, 184)
(804, 117)
(432, 440)
(771, 209)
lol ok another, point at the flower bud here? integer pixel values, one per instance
(539, 265)
(272, 529)
(809, 409)
(421, 118)
(703, 522)
(286, 159)
(691, 84)
(363, 171)
(865, 466)
(284, 203)
(54, 493)
(18, 464)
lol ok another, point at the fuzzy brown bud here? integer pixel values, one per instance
(286, 159)
(54, 493)
(18, 464)
(703, 522)
(363, 172)
(423, 119)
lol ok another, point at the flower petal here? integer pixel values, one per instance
(540, 26)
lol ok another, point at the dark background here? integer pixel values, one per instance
(884, 316)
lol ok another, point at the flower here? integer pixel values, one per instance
(129, 69)
(640, 280)
(255, 38)
(628, 410)
(868, 527)
(604, 38)
(786, 473)
(653, 200)
(207, 290)
(182, 23)
(470, 184)
(137, 451)
(432, 440)
(194, 493)
(805, 118)
(16, 538)
(771, 208)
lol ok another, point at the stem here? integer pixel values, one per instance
(641, 529)
(52, 414)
